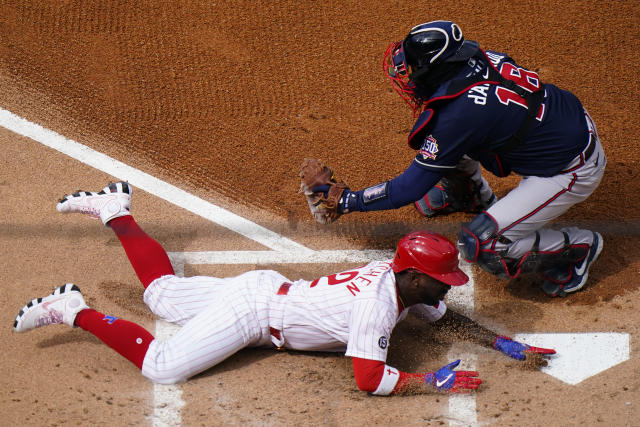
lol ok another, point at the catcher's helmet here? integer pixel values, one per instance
(431, 254)
(425, 49)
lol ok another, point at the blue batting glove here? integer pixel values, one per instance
(516, 349)
(446, 379)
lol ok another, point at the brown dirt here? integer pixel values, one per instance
(224, 99)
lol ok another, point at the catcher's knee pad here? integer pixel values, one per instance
(476, 240)
(475, 243)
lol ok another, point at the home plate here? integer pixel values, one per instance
(580, 355)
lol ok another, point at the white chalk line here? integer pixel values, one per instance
(148, 183)
(168, 399)
(462, 407)
(179, 259)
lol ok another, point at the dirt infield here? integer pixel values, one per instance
(224, 99)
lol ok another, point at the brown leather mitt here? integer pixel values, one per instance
(323, 204)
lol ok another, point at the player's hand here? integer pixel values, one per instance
(517, 349)
(322, 190)
(348, 201)
(446, 379)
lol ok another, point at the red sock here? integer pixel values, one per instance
(127, 338)
(148, 258)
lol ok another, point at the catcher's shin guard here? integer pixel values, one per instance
(475, 243)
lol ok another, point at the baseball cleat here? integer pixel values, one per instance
(62, 306)
(112, 202)
(579, 272)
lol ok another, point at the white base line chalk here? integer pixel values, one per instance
(462, 407)
(148, 183)
(167, 399)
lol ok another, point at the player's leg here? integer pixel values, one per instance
(464, 190)
(112, 206)
(510, 237)
(178, 299)
(207, 339)
(147, 257)
(66, 305)
(226, 326)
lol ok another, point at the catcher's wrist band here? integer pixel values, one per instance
(375, 198)
(377, 192)
(348, 202)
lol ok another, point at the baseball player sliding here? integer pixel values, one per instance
(473, 108)
(352, 311)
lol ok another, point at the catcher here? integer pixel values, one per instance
(473, 108)
(353, 311)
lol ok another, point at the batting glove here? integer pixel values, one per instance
(516, 349)
(446, 379)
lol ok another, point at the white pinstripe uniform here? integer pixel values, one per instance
(354, 311)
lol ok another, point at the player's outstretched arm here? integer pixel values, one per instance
(329, 198)
(380, 379)
(469, 330)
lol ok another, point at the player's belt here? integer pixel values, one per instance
(591, 147)
(593, 135)
(284, 288)
(582, 158)
(276, 333)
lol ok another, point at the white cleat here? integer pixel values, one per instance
(112, 202)
(62, 306)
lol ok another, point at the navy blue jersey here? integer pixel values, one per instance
(481, 120)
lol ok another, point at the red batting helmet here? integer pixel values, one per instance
(431, 254)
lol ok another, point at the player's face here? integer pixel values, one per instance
(431, 290)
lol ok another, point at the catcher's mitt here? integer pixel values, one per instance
(323, 204)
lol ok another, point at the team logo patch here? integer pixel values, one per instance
(110, 319)
(383, 343)
(429, 148)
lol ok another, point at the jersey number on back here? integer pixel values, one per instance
(524, 78)
(337, 278)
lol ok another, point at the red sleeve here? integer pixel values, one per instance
(368, 374)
